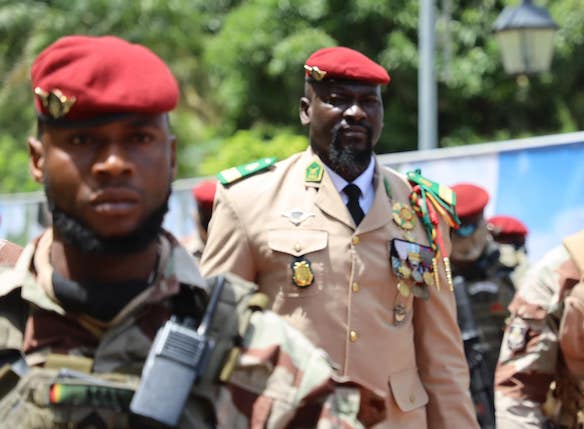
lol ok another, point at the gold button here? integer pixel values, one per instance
(355, 240)
(412, 398)
(355, 287)
(353, 336)
(297, 247)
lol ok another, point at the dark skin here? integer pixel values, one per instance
(110, 177)
(351, 112)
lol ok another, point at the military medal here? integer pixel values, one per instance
(302, 275)
(412, 265)
(403, 289)
(404, 216)
(399, 314)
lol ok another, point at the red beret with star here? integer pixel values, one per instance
(344, 64)
(204, 193)
(470, 199)
(79, 78)
(507, 225)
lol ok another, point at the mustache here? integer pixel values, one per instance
(337, 128)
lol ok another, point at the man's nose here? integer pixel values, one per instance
(112, 160)
(355, 111)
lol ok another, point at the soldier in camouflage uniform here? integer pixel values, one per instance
(484, 269)
(538, 381)
(80, 310)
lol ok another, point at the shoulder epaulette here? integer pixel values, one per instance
(234, 174)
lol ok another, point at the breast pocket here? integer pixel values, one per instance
(301, 255)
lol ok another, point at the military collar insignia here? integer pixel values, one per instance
(314, 172)
(315, 73)
(56, 103)
(234, 174)
(297, 216)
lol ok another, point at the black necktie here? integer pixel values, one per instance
(355, 209)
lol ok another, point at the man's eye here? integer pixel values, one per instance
(141, 138)
(337, 100)
(80, 139)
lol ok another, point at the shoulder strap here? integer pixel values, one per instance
(234, 174)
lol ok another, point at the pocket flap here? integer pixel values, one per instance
(297, 242)
(408, 390)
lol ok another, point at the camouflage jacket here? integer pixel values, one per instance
(490, 287)
(542, 340)
(279, 380)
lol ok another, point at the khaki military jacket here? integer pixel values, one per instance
(262, 224)
(279, 379)
(543, 335)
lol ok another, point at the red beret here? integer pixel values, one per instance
(507, 225)
(344, 63)
(80, 78)
(470, 199)
(204, 192)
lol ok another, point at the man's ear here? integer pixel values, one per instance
(36, 159)
(304, 111)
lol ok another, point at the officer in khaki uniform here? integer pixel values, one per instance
(81, 309)
(351, 268)
(538, 380)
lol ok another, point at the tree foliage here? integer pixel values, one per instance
(239, 65)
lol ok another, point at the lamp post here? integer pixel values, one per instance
(526, 37)
(427, 86)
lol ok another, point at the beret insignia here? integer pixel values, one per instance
(56, 103)
(315, 73)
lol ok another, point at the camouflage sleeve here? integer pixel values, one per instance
(282, 380)
(528, 355)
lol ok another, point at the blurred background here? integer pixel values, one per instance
(239, 65)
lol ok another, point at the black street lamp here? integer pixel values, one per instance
(526, 37)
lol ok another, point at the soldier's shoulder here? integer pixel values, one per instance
(230, 176)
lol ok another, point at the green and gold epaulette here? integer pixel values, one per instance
(233, 174)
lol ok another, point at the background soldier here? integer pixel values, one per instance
(540, 372)
(79, 313)
(203, 196)
(331, 236)
(482, 273)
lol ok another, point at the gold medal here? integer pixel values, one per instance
(404, 272)
(403, 289)
(302, 275)
(428, 278)
(404, 216)
(399, 314)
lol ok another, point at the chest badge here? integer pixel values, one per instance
(297, 216)
(404, 216)
(302, 275)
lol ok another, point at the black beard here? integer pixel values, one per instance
(345, 160)
(75, 233)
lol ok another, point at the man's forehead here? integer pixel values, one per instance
(133, 120)
(347, 86)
